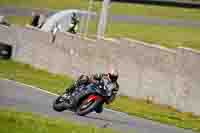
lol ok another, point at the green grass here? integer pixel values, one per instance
(18, 122)
(167, 36)
(141, 108)
(156, 11)
(51, 4)
(26, 74)
(163, 114)
(116, 8)
(20, 20)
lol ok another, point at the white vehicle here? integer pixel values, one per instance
(63, 18)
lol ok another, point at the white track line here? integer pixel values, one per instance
(30, 86)
(45, 91)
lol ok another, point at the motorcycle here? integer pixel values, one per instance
(87, 98)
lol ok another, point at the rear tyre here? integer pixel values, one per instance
(87, 107)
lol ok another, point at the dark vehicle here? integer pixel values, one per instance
(5, 51)
(92, 100)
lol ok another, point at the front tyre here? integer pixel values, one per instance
(59, 104)
(87, 107)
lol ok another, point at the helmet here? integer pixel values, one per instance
(73, 14)
(113, 75)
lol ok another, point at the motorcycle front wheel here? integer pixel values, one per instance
(59, 104)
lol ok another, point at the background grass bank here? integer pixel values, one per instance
(19, 20)
(167, 36)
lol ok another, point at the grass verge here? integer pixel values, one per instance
(51, 4)
(116, 8)
(155, 11)
(161, 113)
(167, 36)
(26, 74)
(141, 108)
(18, 122)
(19, 20)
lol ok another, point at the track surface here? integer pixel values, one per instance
(13, 11)
(28, 99)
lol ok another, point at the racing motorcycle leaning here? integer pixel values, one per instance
(85, 99)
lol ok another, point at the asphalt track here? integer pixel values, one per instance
(13, 11)
(29, 99)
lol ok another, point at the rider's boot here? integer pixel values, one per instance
(99, 108)
(73, 87)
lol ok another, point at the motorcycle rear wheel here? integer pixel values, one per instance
(89, 106)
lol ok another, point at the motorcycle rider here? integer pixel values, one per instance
(74, 23)
(111, 77)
